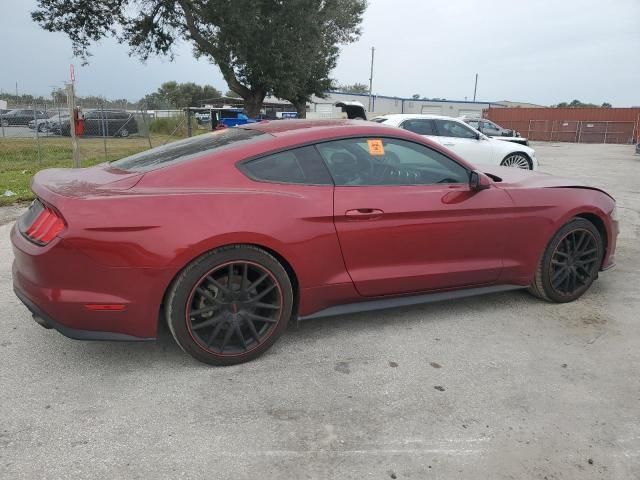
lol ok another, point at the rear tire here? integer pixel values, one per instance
(229, 305)
(570, 263)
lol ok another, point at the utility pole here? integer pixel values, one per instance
(71, 100)
(371, 78)
(475, 88)
(16, 90)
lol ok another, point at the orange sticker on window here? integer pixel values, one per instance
(375, 147)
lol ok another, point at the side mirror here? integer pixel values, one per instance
(478, 181)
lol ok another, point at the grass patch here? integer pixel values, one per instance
(172, 126)
(20, 158)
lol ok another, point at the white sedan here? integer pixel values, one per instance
(467, 142)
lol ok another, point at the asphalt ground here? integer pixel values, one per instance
(503, 386)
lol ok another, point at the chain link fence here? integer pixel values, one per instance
(581, 131)
(37, 136)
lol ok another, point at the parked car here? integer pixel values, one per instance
(473, 146)
(21, 117)
(51, 123)
(494, 130)
(116, 123)
(638, 147)
(226, 117)
(233, 233)
(354, 109)
(54, 124)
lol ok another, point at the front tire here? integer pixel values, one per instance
(517, 160)
(229, 305)
(570, 263)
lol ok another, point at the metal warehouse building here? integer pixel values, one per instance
(381, 104)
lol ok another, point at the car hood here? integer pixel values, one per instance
(518, 178)
(504, 148)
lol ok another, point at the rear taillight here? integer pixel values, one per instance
(41, 223)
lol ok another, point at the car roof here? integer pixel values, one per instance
(280, 135)
(317, 128)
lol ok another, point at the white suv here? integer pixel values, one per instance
(467, 142)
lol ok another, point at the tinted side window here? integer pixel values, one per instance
(449, 128)
(300, 165)
(387, 161)
(419, 126)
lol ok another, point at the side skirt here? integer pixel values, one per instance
(406, 300)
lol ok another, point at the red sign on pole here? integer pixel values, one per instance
(72, 72)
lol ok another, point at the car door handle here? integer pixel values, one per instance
(448, 144)
(363, 214)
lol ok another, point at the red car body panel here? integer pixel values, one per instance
(129, 234)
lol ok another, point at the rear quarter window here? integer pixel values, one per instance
(186, 149)
(299, 165)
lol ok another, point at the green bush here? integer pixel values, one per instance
(176, 126)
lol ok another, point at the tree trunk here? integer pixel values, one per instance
(253, 102)
(301, 108)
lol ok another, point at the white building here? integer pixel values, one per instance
(381, 104)
(3, 104)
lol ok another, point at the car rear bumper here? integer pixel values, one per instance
(46, 321)
(81, 298)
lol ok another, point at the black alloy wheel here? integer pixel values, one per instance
(570, 263)
(574, 262)
(234, 308)
(230, 305)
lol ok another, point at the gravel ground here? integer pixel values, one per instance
(496, 387)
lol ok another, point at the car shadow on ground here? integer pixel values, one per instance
(164, 349)
(165, 353)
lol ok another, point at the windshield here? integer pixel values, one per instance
(185, 149)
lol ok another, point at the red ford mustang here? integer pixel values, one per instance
(231, 234)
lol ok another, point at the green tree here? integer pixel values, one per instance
(312, 57)
(579, 104)
(155, 101)
(179, 95)
(231, 94)
(260, 46)
(354, 88)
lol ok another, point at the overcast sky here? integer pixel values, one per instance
(543, 51)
